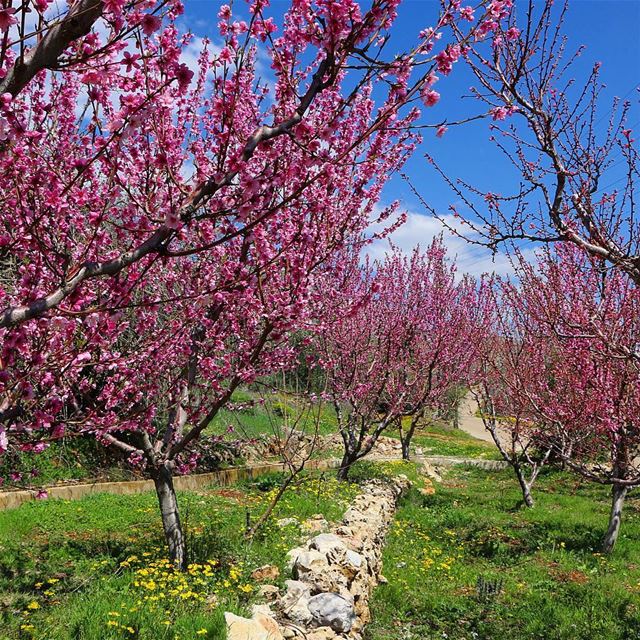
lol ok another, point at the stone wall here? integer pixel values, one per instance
(224, 477)
(333, 575)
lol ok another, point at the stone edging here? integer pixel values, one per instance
(450, 461)
(224, 477)
(333, 576)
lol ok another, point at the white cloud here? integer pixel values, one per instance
(420, 229)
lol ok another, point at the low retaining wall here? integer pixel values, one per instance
(448, 461)
(224, 477)
(333, 576)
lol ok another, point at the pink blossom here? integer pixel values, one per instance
(513, 33)
(447, 58)
(184, 76)
(225, 55)
(441, 131)
(466, 13)
(150, 23)
(430, 97)
(130, 60)
(172, 220)
(7, 19)
(499, 113)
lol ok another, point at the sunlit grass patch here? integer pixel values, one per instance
(467, 563)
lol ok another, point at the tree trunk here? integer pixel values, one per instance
(405, 448)
(347, 460)
(618, 494)
(405, 438)
(163, 480)
(524, 486)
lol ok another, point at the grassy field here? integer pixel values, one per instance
(256, 415)
(542, 573)
(94, 569)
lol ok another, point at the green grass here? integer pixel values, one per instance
(555, 584)
(95, 569)
(266, 416)
(66, 460)
(438, 439)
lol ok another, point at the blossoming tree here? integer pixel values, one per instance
(577, 160)
(443, 321)
(165, 229)
(578, 387)
(412, 333)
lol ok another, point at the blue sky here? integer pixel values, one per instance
(610, 30)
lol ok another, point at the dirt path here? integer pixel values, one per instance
(473, 425)
(470, 422)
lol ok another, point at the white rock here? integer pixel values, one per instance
(332, 610)
(292, 556)
(295, 600)
(309, 561)
(326, 542)
(287, 522)
(260, 627)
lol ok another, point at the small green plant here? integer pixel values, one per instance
(488, 589)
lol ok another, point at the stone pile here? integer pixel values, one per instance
(292, 444)
(333, 575)
(384, 446)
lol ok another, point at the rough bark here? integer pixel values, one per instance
(348, 459)
(406, 437)
(405, 448)
(47, 52)
(167, 499)
(618, 494)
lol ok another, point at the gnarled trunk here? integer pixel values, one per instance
(167, 499)
(348, 459)
(618, 494)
